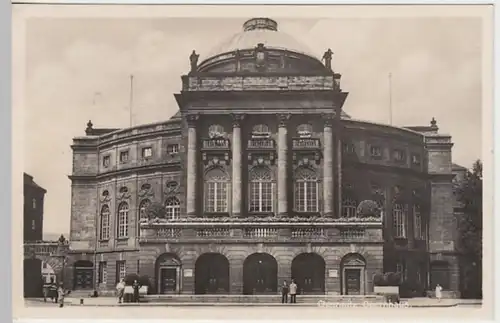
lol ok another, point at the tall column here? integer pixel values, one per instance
(191, 166)
(282, 163)
(328, 196)
(236, 158)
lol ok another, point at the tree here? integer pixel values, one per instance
(470, 195)
(156, 211)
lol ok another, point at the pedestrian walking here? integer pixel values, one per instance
(60, 295)
(284, 293)
(136, 287)
(53, 290)
(46, 290)
(293, 292)
(439, 292)
(120, 290)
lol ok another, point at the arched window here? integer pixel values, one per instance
(216, 191)
(122, 220)
(261, 190)
(304, 130)
(306, 190)
(173, 207)
(215, 131)
(260, 131)
(104, 224)
(399, 214)
(142, 208)
(349, 207)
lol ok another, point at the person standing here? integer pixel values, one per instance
(284, 293)
(120, 290)
(46, 290)
(136, 287)
(53, 291)
(293, 292)
(439, 292)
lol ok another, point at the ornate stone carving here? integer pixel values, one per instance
(306, 158)
(215, 159)
(237, 119)
(261, 158)
(146, 191)
(123, 194)
(328, 119)
(193, 58)
(327, 57)
(171, 188)
(105, 197)
(260, 57)
(283, 119)
(192, 120)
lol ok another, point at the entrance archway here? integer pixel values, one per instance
(353, 272)
(168, 274)
(308, 272)
(33, 281)
(211, 274)
(260, 274)
(83, 275)
(440, 274)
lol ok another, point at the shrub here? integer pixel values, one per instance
(156, 211)
(393, 279)
(129, 279)
(379, 280)
(145, 280)
(367, 209)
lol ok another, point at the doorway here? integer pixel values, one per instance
(260, 274)
(168, 280)
(168, 274)
(211, 274)
(352, 281)
(353, 272)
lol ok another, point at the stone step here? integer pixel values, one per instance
(309, 299)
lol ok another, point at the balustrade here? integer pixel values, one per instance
(216, 143)
(213, 232)
(260, 143)
(168, 232)
(305, 143)
(308, 233)
(260, 232)
(352, 233)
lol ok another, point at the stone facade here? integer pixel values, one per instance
(276, 114)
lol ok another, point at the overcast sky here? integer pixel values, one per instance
(78, 69)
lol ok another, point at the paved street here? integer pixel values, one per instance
(50, 310)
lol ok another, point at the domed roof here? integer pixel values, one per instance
(261, 30)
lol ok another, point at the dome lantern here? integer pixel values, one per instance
(260, 23)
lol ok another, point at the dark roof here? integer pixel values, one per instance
(28, 181)
(457, 167)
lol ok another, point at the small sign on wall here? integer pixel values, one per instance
(333, 273)
(188, 273)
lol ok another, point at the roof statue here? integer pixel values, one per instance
(327, 57)
(194, 61)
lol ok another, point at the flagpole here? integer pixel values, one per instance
(131, 98)
(390, 99)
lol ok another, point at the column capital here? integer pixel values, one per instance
(328, 119)
(192, 119)
(237, 119)
(283, 119)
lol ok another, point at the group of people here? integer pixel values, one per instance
(120, 290)
(289, 290)
(54, 292)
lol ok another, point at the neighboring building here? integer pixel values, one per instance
(33, 209)
(262, 175)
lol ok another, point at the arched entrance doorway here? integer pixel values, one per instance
(33, 281)
(211, 274)
(260, 274)
(353, 274)
(308, 272)
(440, 274)
(168, 274)
(83, 274)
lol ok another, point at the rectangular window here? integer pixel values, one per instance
(306, 196)
(349, 208)
(103, 273)
(106, 160)
(216, 197)
(147, 152)
(34, 203)
(348, 148)
(399, 220)
(261, 197)
(33, 224)
(417, 227)
(376, 152)
(399, 155)
(173, 149)
(105, 226)
(124, 156)
(121, 270)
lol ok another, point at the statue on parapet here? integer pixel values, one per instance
(327, 57)
(194, 61)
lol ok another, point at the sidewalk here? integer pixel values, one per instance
(112, 302)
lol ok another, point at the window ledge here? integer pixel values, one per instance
(261, 214)
(216, 214)
(307, 214)
(122, 238)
